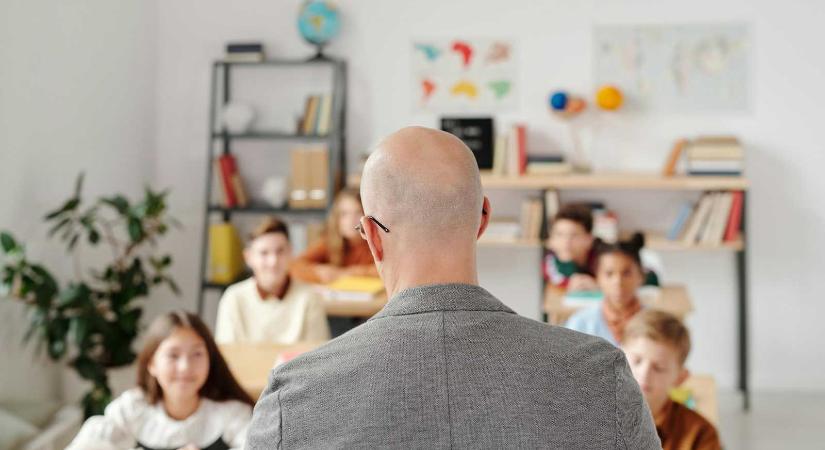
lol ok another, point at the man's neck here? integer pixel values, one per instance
(421, 270)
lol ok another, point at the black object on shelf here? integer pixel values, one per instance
(220, 142)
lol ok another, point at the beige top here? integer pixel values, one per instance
(243, 316)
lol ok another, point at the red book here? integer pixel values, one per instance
(735, 218)
(521, 136)
(226, 163)
(237, 184)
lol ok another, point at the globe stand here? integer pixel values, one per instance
(319, 54)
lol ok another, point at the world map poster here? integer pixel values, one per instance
(677, 68)
(464, 75)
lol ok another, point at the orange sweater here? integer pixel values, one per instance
(680, 428)
(356, 257)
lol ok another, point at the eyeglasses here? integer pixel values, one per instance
(360, 226)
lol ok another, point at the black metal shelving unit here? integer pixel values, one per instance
(220, 138)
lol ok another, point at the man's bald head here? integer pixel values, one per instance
(425, 182)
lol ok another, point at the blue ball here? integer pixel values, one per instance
(558, 100)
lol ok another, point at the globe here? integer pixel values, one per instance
(318, 22)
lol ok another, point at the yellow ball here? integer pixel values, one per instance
(609, 97)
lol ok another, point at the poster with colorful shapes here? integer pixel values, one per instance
(464, 75)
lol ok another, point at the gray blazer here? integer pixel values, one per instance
(450, 366)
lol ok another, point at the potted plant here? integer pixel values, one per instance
(92, 321)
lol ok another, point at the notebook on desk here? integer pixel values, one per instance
(353, 288)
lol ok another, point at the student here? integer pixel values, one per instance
(186, 396)
(570, 261)
(341, 251)
(657, 345)
(619, 275)
(270, 306)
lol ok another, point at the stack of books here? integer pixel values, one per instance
(510, 152)
(317, 116)
(244, 52)
(309, 181)
(715, 219)
(547, 165)
(715, 156)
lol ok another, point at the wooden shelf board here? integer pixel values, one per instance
(619, 180)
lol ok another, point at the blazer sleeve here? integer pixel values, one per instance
(303, 268)
(634, 423)
(264, 430)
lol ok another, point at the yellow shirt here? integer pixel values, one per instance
(243, 316)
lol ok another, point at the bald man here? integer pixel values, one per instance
(445, 364)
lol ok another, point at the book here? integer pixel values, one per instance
(222, 187)
(681, 221)
(716, 165)
(697, 219)
(225, 164)
(536, 168)
(706, 223)
(674, 157)
(310, 116)
(225, 253)
(715, 147)
(477, 135)
(324, 115)
(500, 155)
(712, 173)
(244, 47)
(521, 141)
(552, 204)
(244, 57)
(353, 288)
(238, 188)
(734, 224)
(716, 224)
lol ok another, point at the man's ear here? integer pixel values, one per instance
(486, 213)
(373, 239)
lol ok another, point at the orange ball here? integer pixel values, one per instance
(575, 105)
(609, 98)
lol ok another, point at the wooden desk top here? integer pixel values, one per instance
(251, 363)
(355, 308)
(672, 298)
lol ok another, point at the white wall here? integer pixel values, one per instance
(77, 84)
(784, 155)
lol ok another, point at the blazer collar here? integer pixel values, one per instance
(442, 297)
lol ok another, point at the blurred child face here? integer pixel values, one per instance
(180, 364)
(349, 213)
(618, 277)
(656, 367)
(570, 241)
(269, 256)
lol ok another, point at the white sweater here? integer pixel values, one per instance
(129, 421)
(243, 316)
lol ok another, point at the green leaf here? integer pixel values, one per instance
(65, 221)
(94, 236)
(88, 369)
(79, 330)
(57, 348)
(118, 202)
(135, 230)
(70, 205)
(172, 285)
(73, 242)
(78, 184)
(75, 295)
(129, 320)
(8, 242)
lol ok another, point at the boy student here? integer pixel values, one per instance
(570, 262)
(270, 306)
(657, 345)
